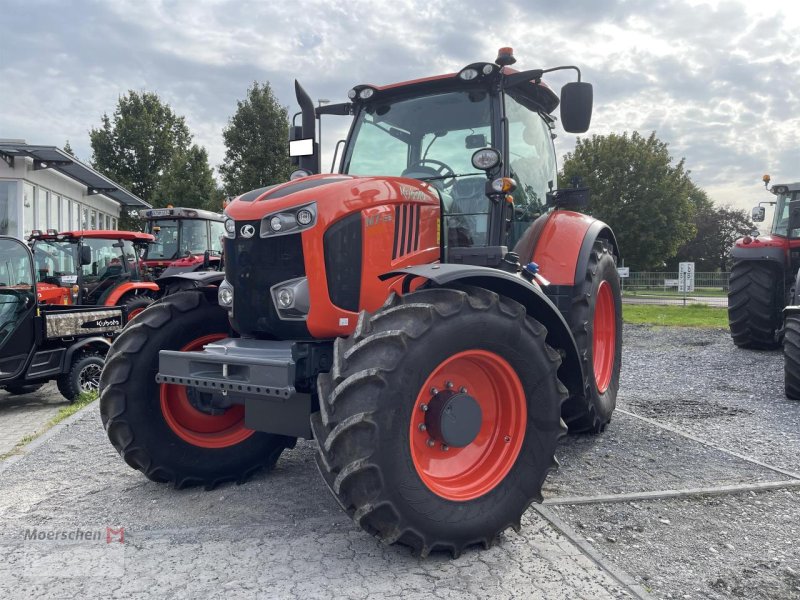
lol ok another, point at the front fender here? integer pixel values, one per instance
(513, 286)
(131, 286)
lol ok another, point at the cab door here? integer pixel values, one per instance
(17, 307)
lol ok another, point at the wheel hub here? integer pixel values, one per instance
(453, 418)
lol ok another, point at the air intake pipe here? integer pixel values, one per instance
(310, 162)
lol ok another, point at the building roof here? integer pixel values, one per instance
(50, 157)
(100, 234)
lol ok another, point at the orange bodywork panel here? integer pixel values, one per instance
(400, 227)
(559, 245)
(130, 286)
(48, 293)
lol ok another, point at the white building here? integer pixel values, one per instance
(43, 187)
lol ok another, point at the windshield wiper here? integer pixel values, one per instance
(437, 177)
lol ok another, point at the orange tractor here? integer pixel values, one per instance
(379, 311)
(92, 268)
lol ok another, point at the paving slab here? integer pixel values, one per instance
(26, 414)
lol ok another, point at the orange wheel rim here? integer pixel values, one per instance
(196, 427)
(469, 472)
(604, 340)
(134, 313)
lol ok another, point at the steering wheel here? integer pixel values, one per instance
(439, 169)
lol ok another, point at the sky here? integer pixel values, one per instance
(716, 80)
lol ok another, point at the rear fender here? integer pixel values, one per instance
(536, 303)
(96, 344)
(128, 287)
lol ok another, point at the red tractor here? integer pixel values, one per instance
(92, 268)
(764, 271)
(186, 240)
(379, 311)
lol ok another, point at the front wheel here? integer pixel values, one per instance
(596, 322)
(134, 305)
(168, 431)
(439, 420)
(791, 357)
(755, 301)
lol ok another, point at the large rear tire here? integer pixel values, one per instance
(596, 322)
(157, 428)
(383, 431)
(755, 301)
(135, 304)
(791, 357)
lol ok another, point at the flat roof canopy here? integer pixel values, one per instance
(50, 157)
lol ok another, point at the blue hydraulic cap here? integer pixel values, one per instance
(532, 268)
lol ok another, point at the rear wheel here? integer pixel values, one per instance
(83, 376)
(596, 323)
(791, 357)
(19, 390)
(136, 304)
(755, 301)
(164, 430)
(439, 420)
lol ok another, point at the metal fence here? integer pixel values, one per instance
(646, 287)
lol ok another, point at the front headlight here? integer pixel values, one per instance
(290, 220)
(230, 228)
(225, 294)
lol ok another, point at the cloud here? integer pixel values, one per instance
(713, 79)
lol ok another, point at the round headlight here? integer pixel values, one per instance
(352, 94)
(485, 159)
(226, 296)
(230, 226)
(304, 216)
(366, 93)
(487, 69)
(275, 223)
(468, 74)
(285, 297)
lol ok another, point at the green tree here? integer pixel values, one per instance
(148, 149)
(256, 142)
(717, 230)
(68, 149)
(638, 191)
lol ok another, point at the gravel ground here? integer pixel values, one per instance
(283, 536)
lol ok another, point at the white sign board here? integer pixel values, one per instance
(624, 271)
(672, 282)
(686, 277)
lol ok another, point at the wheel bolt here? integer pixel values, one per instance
(422, 427)
(445, 447)
(434, 391)
(431, 443)
(449, 385)
(507, 439)
(423, 407)
(463, 390)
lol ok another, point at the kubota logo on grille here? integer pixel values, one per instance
(247, 231)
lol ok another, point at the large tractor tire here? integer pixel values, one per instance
(596, 322)
(83, 375)
(159, 428)
(755, 301)
(791, 357)
(135, 304)
(439, 420)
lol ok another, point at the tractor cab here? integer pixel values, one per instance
(186, 239)
(482, 138)
(786, 219)
(87, 267)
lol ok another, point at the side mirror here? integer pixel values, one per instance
(794, 219)
(301, 147)
(576, 106)
(758, 214)
(86, 255)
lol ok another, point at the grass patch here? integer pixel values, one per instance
(67, 411)
(693, 315)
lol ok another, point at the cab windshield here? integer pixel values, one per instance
(176, 238)
(55, 262)
(780, 222)
(431, 138)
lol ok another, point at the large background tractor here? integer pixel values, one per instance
(764, 272)
(186, 240)
(41, 342)
(380, 311)
(92, 268)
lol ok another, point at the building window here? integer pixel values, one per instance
(42, 199)
(113, 223)
(28, 209)
(8, 208)
(65, 218)
(76, 216)
(93, 222)
(85, 218)
(52, 210)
